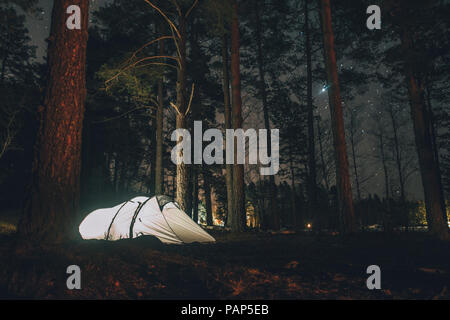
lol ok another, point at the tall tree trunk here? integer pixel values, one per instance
(153, 155)
(50, 214)
(398, 161)
(322, 158)
(227, 111)
(159, 169)
(208, 203)
(195, 194)
(346, 210)
(259, 187)
(294, 213)
(196, 113)
(273, 214)
(183, 195)
(355, 167)
(428, 168)
(312, 175)
(386, 218)
(385, 169)
(435, 146)
(239, 215)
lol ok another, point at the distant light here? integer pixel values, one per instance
(309, 226)
(324, 88)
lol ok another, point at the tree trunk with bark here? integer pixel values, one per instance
(434, 203)
(433, 133)
(322, 157)
(239, 214)
(399, 163)
(51, 212)
(294, 214)
(312, 175)
(387, 225)
(346, 210)
(354, 160)
(208, 203)
(183, 195)
(159, 169)
(273, 214)
(227, 111)
(195, 194)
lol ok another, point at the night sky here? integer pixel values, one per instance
(39, 25)
(367, 104)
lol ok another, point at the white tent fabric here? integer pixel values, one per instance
(157, 216)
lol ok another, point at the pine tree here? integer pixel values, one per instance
(53, 203)
(239, 213)
(346, 210)
(415, 62)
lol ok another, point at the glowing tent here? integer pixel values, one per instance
(158, 216)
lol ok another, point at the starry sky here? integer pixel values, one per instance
(39, 26)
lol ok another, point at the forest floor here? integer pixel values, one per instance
(253, 265)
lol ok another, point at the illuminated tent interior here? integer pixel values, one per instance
(158, 216)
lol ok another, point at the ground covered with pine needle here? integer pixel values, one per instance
(253, 265)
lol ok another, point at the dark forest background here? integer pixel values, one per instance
(283, 85)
